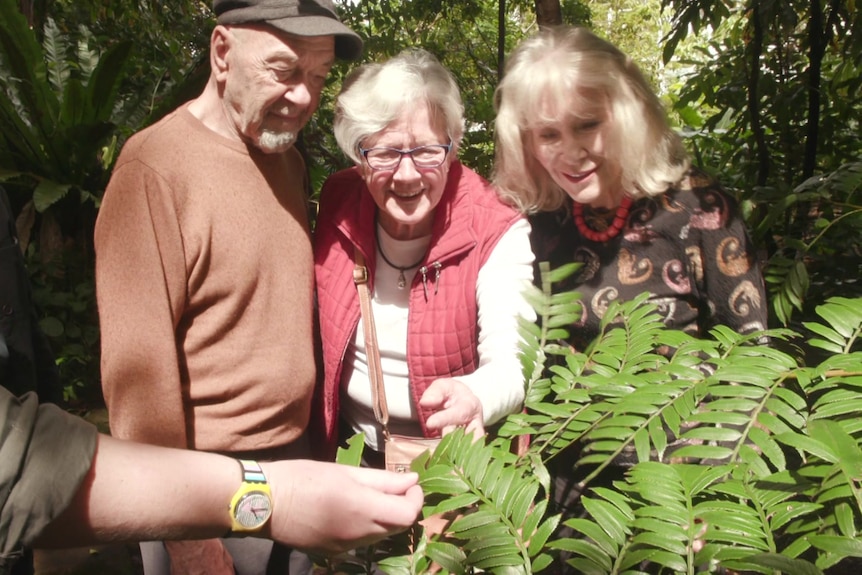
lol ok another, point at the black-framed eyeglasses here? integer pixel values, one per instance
(430, 156)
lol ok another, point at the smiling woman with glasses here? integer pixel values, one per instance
(447, 262)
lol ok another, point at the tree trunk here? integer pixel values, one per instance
(548, 13)
(756, 48)
(501, 39)
(819, 37)
(34, 12)
(817, 47)
(27, 10)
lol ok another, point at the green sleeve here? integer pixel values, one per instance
(45, 453)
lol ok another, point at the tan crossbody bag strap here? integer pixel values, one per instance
(372, 352)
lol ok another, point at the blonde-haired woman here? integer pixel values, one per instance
(584, 146)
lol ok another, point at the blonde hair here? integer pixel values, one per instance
(547, 72)
(374, 95)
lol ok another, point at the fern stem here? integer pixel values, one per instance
(761, 514)
(564, 424)
(832, 372)
(617, 565)
(848, 347)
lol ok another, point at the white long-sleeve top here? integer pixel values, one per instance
(497, 382)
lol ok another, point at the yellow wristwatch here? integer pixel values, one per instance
(251, 505)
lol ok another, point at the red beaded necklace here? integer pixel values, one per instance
(612, 231)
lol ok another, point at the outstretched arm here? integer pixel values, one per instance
(141, 492)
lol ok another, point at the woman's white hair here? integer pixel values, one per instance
(376, 94)
(547, 72)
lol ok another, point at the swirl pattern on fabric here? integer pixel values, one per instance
(688, 248)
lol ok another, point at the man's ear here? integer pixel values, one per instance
(221, 41)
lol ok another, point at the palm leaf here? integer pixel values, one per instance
(104, 83)
(24, 62)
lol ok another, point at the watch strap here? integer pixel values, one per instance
(252, 472)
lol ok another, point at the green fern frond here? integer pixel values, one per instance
(846, 452)
(606, 535)
(501, 526)
(627, 338)
(746, 400)
(561, 425)
(845, 325)
(838, 545)
(668, 524)
(87, 57)
(56, 47)
(768, 505)
(787, 282)
(540, 339)
(786, 496)
(771, 563)
(843, 401)
(638, 419)
(832, 466)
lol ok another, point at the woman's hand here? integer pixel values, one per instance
(453, 405)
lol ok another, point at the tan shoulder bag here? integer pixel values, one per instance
(399, 450)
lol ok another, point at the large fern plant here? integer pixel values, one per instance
(744, 459)
(58, 101)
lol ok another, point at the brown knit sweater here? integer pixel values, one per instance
(204, 284)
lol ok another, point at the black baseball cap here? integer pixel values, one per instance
(298, 17)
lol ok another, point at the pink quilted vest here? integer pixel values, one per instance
(442, 330)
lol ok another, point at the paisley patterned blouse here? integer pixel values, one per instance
(687, 247)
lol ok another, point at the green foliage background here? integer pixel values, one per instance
(767, 95)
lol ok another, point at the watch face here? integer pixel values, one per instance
(253, 509)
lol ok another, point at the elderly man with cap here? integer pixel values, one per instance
(204, 270)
